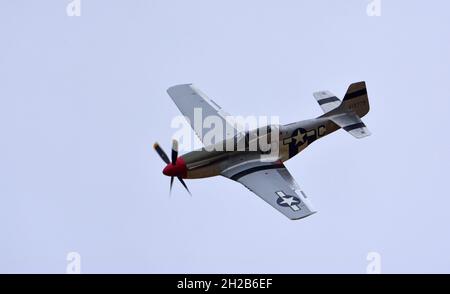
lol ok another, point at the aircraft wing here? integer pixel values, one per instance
(190, 100)
(274, 184)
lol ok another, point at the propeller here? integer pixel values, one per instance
(171, 184)
(184, 185)
(174, 168)
(161, 153)
(174, 151)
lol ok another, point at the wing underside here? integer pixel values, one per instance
(197, 107)
(275, 185)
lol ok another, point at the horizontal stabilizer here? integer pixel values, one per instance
(351, 123)
(327, 100)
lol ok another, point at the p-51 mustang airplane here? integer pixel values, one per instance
(267, 178)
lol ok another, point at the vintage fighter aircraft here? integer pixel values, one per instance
(266, 177)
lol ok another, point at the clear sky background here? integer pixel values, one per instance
(82, 99)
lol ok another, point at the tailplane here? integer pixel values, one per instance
(327, 100)
(351, 123)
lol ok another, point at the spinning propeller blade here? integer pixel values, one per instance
(166, 159)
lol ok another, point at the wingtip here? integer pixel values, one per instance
(175, 87)
(305, 216)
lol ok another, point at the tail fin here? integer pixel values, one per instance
(347, 114)
(356, 99)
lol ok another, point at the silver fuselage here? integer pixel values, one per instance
(292, 139)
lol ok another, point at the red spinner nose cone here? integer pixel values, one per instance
(178, 169)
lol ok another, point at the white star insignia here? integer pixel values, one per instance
(289, 201)
(300, 138)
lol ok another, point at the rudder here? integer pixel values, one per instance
(356, 99)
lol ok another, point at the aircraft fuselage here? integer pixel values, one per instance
(292, 139)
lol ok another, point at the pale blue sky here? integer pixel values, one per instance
(82, 99)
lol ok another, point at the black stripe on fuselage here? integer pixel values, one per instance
(328, 100)
(255, 169)
(356, 94)
(354, 126)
